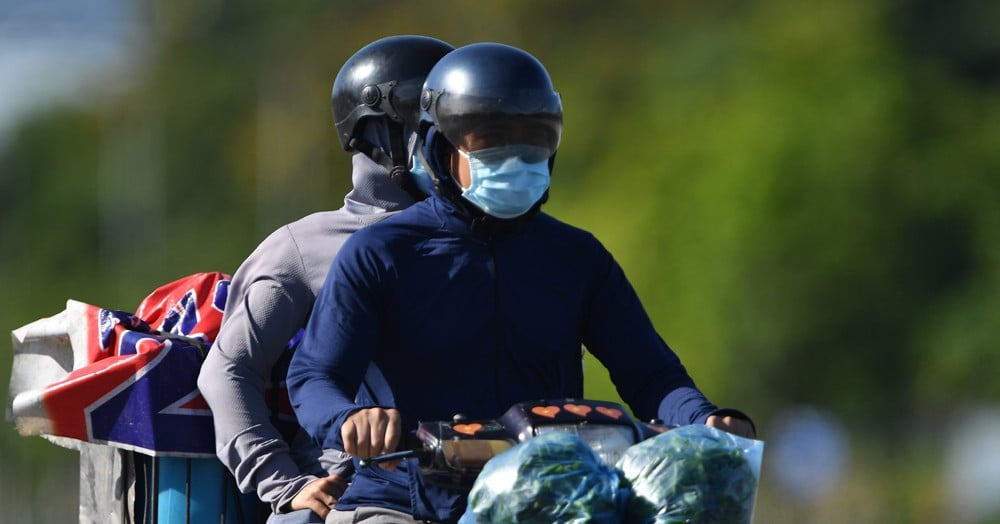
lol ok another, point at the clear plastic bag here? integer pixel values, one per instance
(694, 474)
(554, 477)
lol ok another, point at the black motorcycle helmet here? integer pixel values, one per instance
(486, 95)
(384, 80)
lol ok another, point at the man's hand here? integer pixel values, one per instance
(320, 495)
(735, 425)
(371, 432)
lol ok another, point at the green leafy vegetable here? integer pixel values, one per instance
(692, 474)
(554, 477)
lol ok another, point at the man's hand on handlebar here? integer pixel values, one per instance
(735, 425)
(371, 432)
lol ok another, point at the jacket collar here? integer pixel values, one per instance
(459, 220)
(373, 190)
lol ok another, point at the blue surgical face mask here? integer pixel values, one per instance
(505, 181)
(421, 177)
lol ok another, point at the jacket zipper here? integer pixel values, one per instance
(497, 325)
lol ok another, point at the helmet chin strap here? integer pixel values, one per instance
(396, 163)
(399, 171)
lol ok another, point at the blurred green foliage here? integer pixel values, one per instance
(803, 193)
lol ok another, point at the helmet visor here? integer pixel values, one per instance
(478, 122)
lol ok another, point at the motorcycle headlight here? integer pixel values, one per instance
(608, 441)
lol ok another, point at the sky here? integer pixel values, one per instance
(57, 53)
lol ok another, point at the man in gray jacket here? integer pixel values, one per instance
(375, 108)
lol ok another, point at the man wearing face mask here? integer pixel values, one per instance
(474, 300)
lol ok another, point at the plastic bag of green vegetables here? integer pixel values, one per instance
(554, 477)
(693, 474)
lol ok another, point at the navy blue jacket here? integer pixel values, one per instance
(462, 321)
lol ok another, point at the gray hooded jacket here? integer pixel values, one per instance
(270, 298)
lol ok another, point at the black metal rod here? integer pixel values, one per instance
(155, 491)
(398, 455)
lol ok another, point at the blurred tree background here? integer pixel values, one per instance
(803, 194)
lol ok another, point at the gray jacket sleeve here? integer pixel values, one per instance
(270, 298)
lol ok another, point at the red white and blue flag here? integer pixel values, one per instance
(123, 379)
